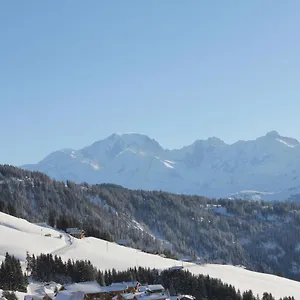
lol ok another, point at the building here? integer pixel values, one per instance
(111, 291)
(80, 291)
(128, 296)
(132, 286)
(93, 291)
(152, 289)
(76, 232)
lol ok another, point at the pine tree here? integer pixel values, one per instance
(100, 278)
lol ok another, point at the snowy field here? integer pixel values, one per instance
(19, 236)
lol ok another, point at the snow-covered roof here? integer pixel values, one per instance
(129, 296)
(130, 284)
(144, 296)
(69, 295)
(176, 268)
(155, 287)
(154, 297)
(89, 287)
(74, 230)
(114, 288)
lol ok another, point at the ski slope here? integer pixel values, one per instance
(19, 236)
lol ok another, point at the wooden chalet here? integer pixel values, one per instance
(90, 290)
(76, 232)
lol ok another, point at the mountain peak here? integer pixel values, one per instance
(273, 134)
(287, 141)
(209, 166)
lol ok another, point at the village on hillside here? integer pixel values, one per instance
(93, 291)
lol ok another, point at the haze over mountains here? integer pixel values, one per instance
(267, 167)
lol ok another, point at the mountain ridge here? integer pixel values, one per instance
(210, 167)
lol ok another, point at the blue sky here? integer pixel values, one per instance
(73, 72)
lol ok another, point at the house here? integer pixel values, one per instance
(152, 289)
(76, 232)
(113, 290)
(159, 296)
(176, 268)
(132, 286)
(93, 291)
(80, 291)
(142, 296)
(128, 296)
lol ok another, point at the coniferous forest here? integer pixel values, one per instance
(262, 236)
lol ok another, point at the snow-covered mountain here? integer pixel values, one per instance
(20, 236)
(267, 167)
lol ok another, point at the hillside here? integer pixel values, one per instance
(261, 236)
(106, 255)
(264, 168)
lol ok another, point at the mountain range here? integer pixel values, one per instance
(265, 168)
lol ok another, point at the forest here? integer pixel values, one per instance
(262, 236)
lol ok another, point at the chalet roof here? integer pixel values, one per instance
(129, 296)
(153, 297)
(129, 284)
(69, 295)
(153, 287)
(74, 230)
(176, 268)
(89, 287)
(114, 288)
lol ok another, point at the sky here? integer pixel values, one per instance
(74, 72)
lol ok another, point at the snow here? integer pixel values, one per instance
(265, 168)
(69, 295)
(168, 165)
(19, 236)
(285, 143)
(91, 287)
(40, 290)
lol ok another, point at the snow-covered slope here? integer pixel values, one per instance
(269, 165)
(21, 236)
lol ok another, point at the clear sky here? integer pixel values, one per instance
(73, 72)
